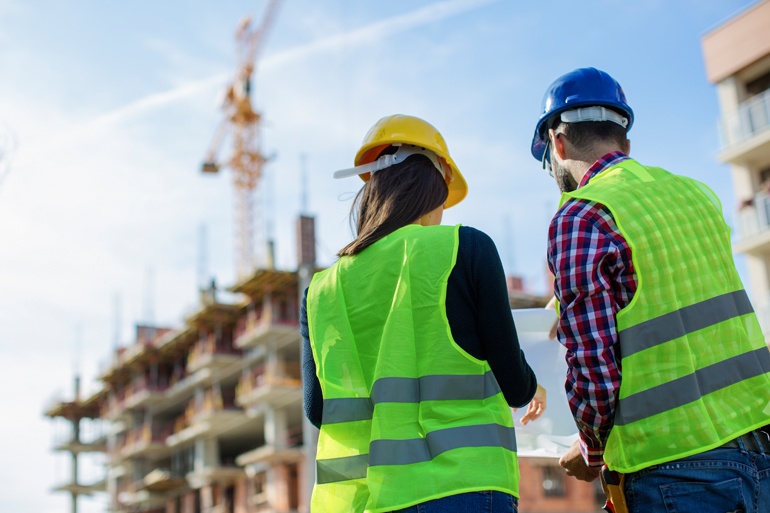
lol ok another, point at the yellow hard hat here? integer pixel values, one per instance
(400, 129)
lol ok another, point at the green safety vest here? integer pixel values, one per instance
(408, 416)
(695, 367)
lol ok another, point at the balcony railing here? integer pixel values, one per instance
(754, 216)
(142, 389)
(208, 349)
(281, 373)
(753, 117)
(277, 383)
(143, 437)
(269, 324)
(214, 400)
(115, 405)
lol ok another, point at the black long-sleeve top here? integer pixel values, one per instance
(479, 316)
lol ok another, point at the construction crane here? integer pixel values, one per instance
(242, 123)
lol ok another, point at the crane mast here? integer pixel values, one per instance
(243, 124)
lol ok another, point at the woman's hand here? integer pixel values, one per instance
(536, 406)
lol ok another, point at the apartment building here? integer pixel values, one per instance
(737, 58)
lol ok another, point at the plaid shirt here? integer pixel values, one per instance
(594, 278)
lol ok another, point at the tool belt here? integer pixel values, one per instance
(613, 484)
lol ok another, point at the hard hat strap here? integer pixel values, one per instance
(547, 157)
(386, 161)
(595, 113)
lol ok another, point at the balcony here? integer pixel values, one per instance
(142, 392)
(80, 488)
(271, 455)
(220, 474)
(212, 354)
(80, 446)
(754, 226)
(141, 500)
(277, 383)
(266, 325)
(146, 440)
(216, 413)
(161, 480)
(746, 134)
(288, 448)
(114, 408)
(88, 436)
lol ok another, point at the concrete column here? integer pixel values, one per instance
(206, 454)
(275, 427)
(207, 497)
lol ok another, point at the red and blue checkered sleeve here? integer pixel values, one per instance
(593, 280)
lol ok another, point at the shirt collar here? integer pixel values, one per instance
(606, 162)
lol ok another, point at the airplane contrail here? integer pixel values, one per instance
(366, 34)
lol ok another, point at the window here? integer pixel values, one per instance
(553, 482)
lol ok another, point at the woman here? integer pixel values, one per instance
(411, 358)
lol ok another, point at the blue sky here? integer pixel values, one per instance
(114, 105)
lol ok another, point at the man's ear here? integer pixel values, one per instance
(557, 143)
(627, 147)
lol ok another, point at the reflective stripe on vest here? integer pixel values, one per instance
(696, 370)
(683, 321)
(410, 390)
(415, 450)
(692, 387)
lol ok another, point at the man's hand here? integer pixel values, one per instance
(576, 466)
(536, 406)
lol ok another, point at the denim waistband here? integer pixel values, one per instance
(753, 441)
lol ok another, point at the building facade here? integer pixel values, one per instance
(737, 58)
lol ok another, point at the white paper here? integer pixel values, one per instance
(554, 431)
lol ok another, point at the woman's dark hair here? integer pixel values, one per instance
(394, 197)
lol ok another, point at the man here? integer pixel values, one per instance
(646, 283)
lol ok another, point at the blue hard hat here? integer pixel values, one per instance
(583, 87)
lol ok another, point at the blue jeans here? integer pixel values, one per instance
(718, 481)
(471, 502)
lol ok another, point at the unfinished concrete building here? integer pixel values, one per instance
(208, 417)
(74, 440)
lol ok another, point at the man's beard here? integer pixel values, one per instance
(564, 178)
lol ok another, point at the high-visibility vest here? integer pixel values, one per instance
(408, 416)
(695, 367)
